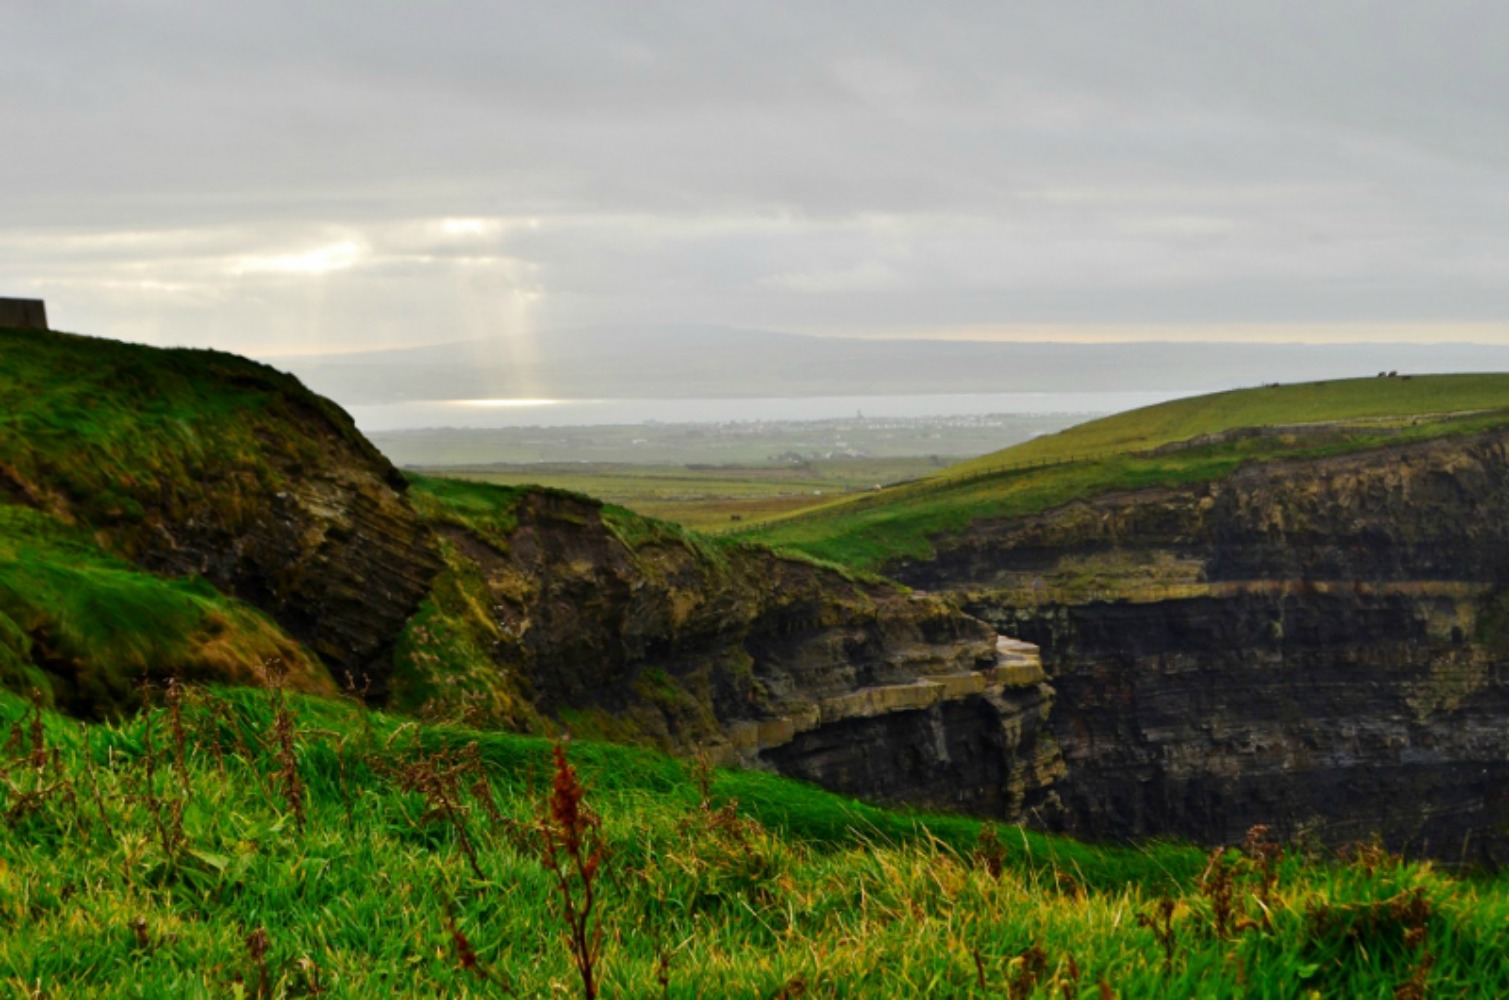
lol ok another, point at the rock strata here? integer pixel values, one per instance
(1321, 646)
(764, 660)
(197, 462)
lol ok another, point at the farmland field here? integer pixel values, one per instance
(706, 497)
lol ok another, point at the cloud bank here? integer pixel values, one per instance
(279, 177)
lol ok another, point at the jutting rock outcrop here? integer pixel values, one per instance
(627, 628)
(1318, 645)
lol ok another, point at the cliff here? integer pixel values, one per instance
(195, 515)
(1318, 644)
(630, 629)
(197, 463)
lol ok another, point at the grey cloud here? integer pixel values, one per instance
(788, 164)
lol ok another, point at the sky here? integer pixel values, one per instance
(281, 177)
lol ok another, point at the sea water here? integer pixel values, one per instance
(487, 413)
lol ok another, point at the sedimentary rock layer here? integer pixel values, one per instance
(763, 660)
(1322, 646)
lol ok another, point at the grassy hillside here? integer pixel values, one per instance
(1370, 400)
(101, 626)
(1142, 448)
(98, 431)
(237, 843)
(120, 461)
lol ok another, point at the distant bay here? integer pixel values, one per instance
(490, 413)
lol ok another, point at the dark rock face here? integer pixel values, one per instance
(761, 660)
(987, 755)
(335, 557)
(1320, 646)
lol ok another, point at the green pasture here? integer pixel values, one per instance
(246, 843)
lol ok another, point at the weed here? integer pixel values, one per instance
(573, 851)
(257, 945)
(1218, 884)
(1371, 927)
(1415, 988)
(33, 790)
(1161, 923)
(1071, 987)
(167, 816)
(437, 777)
(1413, 914)
(94, 785)
(1030, 966)
(663, 971)
(1263, 854)
(174, 698)
(284, 732)
(482, 791)
(466, 955)
(728, 854)
(989, 852)
(1369, 856)
(311, 973)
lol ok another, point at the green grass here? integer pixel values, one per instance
(1131, 451)
(483, 509)
(113, 454)
(103, 626)
(103, 446)
(102, 432)
(129, 868)
(1366, 399)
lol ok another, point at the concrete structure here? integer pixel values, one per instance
(23, 314)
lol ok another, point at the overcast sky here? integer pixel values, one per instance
(270, 177)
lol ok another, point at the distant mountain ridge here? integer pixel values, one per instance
(691, 362)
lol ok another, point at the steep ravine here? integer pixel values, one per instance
(1322, 646)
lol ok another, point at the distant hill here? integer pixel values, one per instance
(1200, 438)
(689, 362)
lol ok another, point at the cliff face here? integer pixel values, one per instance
(328, 548)
(1319, 645)
(196, 462)
(623, 628)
